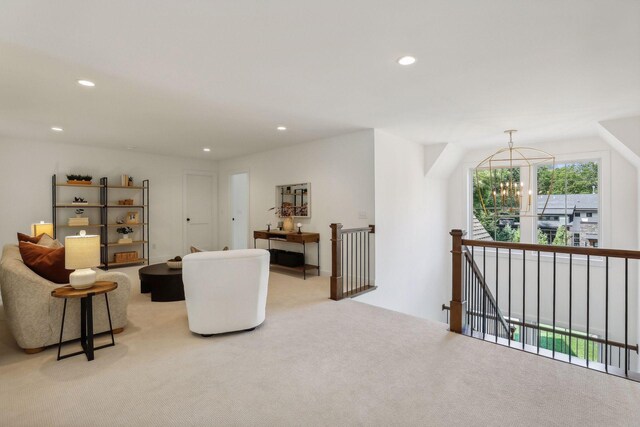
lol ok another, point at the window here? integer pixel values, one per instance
(487, 224)
(573, 186)
(565, 210)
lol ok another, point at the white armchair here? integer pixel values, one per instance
(225, 291)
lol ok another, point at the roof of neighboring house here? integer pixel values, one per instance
(479, 232)
(559, 204)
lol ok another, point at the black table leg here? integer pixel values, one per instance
(318, 247)
(64, 313)
(83, 324)
(304, 261)
(106, 299)
(89, 333)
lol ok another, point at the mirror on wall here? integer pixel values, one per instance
(293, 200)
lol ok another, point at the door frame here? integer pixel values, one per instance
(230, 204)
(214, 208)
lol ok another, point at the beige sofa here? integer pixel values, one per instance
(34, 316)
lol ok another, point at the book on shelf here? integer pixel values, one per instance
(78, 221)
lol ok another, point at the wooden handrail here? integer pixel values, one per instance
(370, 229)
(575, 250)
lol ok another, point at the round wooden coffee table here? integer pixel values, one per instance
(164, 283)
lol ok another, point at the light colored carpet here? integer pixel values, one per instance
(313, 362)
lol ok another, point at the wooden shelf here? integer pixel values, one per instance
(301, 268)
(80, 226)
(138, 261)
(135, 242)
(126, 188)
(127, 225)
(88, 205)
(64, 184)
(127, 206)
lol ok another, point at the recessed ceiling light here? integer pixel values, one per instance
(281, 128)
(131, 147)
(206, 150)
(406, 60)
(86, 83)
(56, 129)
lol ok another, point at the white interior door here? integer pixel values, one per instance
(239, 210)
(199, 225)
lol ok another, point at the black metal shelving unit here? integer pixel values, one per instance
(104, 224)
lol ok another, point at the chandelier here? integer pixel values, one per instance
(505, 181)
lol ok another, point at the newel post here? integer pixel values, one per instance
(458, 305)
(336, 262)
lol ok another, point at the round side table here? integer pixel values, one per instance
(86, 315)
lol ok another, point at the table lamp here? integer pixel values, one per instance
(82, 253)
(42, 227)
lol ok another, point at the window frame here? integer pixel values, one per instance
(603, 158)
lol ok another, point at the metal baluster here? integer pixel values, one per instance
(553, 343)
(524, 303)
(626, 317)
(538, 312)
(497, 299)
(606, 313)
(509, 265)
(588, 288)
(570, 301)
(484, 293)
(473, 292)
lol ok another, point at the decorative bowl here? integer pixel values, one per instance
(174, 264)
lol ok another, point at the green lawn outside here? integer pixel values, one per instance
(578, 346)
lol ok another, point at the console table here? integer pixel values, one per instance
(291, 237)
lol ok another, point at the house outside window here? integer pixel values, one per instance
(573, 203)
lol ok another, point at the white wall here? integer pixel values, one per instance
(619, 229)
(341, 174)
(25, 185)
(411, 230)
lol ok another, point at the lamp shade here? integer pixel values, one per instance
(42, 227)
(82, 251)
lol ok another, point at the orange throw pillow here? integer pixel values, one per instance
(27, 238)
(45, 262)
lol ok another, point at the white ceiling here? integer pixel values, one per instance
(175, 76)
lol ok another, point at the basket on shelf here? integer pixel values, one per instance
(128, 256)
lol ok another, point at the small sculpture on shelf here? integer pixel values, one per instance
(79, 201)
(299, 225)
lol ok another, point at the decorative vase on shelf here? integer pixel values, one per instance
(288, 223)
